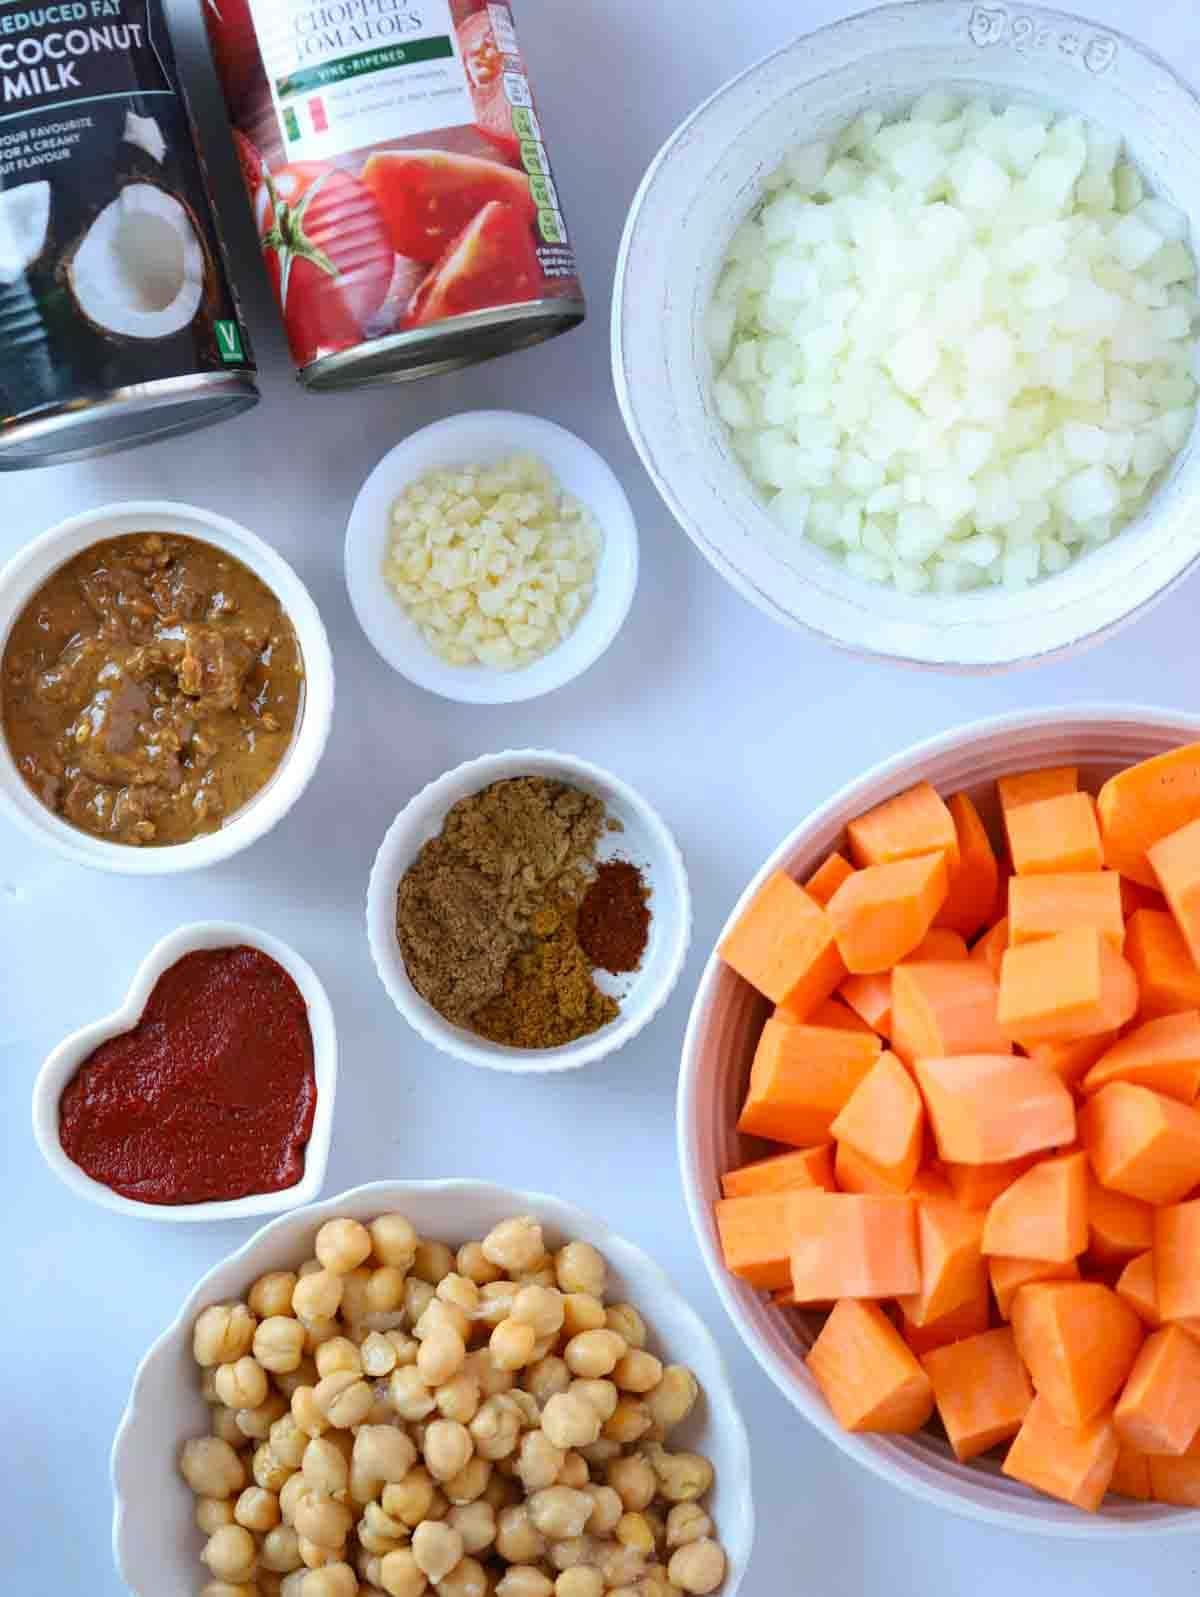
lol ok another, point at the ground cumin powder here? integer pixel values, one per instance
(485, 916)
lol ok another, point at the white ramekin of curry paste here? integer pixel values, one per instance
(187, 655)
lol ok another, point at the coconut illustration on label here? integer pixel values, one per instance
(145, 132)
(140, 269)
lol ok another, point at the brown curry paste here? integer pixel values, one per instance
(150, 688)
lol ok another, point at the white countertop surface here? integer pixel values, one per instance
(731, 726)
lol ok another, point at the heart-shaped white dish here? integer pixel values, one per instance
(65, 1060)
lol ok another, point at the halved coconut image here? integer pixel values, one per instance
(24, 223)
(144, 133)
(140, 270)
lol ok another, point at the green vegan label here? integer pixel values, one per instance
(366, 61)
(533, 157)
(229, 342)
(550, 226)
(524, 123)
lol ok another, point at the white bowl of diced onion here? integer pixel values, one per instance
(591, 613)
(715, 172)
(156, 1543)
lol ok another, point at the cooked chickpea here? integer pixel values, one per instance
(317, 1296)
(229, 1588)
(581, 1581)
(475, 1522)
(242, 1384)
(339, 1353)
(582, 1312)
(470, 1482)
(230, 1553)
(286, 1443)
(601, 1452)
(354, 1294)
(394, 1240)
(377, 1355)
(673, 1398)
(634, 1530)
(257, 1510)
(441, 1315)
(574, 1551)
(225, 1426)
(493, 1381)
(212, 1513)
(579, 1267)
(307, 1415)
(512, 1343)
(634, 1481)
(279, 1343)
(256, 1423)
(656, 1583)
(637, 1371)
(525, 1580)
(628, 1422)
(343, 1399)
(448, 1447)
(601, 1394)
(559, 1512)
(594, 1353)
(515, 1244)
(458, 1398)
(541, 1307)
(625, 1320)
(342, 1245)
(607, 1509)
(323, 1521)
(410, 1397)
(409, 1500)
(474, 1263)
(384, 1290)
(272, 1294)
(432, 1261)
(292, 1583)
(468, 1578)
(334, 1580)
(518, 1540)
(460, 1291)
(436, 1548)
(211, 1467)
(418, 1295)
(223, 1333)
(325, 1469)
(570, 1420)
(290, 1493)
(547, 1377)
(538, 1461)
(441, 1356)
(697, 1567)
(400, 1575)
(318, 1332)
(496, 1299)
(682, 1477)
(305, 1374)
(280, 1550)
(496, 1429)
(378, 1532)
(687, 1522)
(621, 1566)
(384, 1453)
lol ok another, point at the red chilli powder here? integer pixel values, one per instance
(210, 1096)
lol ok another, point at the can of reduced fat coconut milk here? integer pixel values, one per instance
(395, 163)
(117, 322)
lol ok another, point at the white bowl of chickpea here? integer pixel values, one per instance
(437, 1387)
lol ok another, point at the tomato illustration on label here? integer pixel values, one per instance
(493, 262)
(428, 196)
(328, 254)
(485, 77)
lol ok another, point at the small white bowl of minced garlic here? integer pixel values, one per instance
(491, 557)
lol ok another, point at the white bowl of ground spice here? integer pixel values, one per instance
(528, 911)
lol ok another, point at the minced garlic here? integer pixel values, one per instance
(494, 564)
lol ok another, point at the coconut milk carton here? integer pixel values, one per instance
(117, 321)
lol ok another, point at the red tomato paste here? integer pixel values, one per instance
(400, 182)
(210, 1096)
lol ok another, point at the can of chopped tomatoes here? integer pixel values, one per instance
(408, 215)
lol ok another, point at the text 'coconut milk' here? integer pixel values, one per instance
(117, 323)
